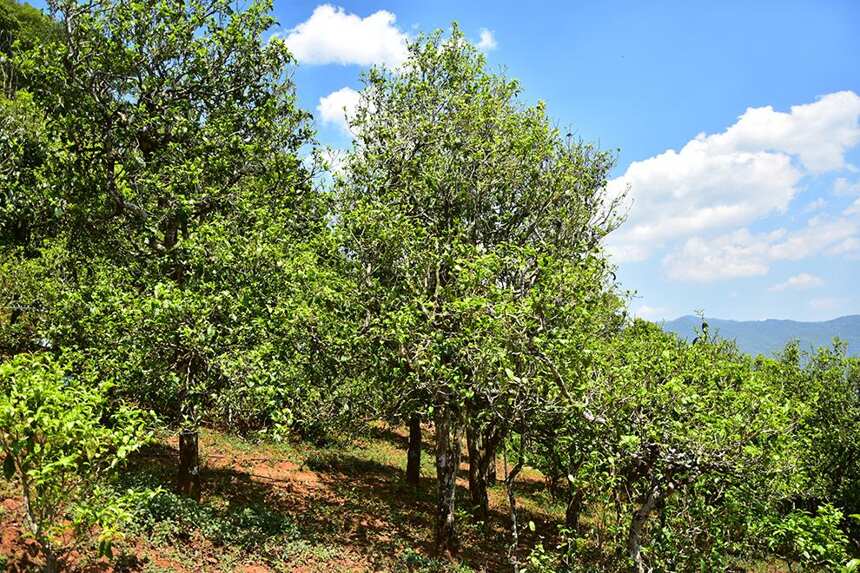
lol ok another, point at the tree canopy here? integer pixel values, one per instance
(173, 253)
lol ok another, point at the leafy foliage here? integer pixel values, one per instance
(164, 231)
(171, 232)
(21, 28)
(471, 224)
(814, 540)
(60, 438)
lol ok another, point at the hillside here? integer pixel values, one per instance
(277, 507)
(770, 336)
(245, 332)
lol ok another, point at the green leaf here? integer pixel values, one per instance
(629, 442)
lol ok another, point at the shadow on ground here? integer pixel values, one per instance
(299, 510)
(357, 506)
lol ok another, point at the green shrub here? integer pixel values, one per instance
(413, 562)
(166, 517)
(61, 439)
(809, 540)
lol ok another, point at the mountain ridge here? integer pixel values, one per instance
(769, 336)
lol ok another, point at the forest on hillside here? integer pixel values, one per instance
(223, 347)
(770, 336)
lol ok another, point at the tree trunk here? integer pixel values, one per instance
(413, 455)
(52, 564)
(189, 464)
(448, 435)
(491, 466)
(510, 478)
(574, 508)
(634, 539)
(477, 473)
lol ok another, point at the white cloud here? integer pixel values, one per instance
(681, 193)
(338, 106)
(744, 254)
(729, 179)
(487, 41)
(818, 235)
(800, 282)
(841, 186)
(734, 255)
(819, 203)
(627, 252)
(849, 247)
(335, 159)
(651, 312)
(819, 133)
(853, 209)
(332, 36)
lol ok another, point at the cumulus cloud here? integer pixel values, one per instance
(799, 282)
(333, 36)
(487, 41)
(737, 254)
(729, 179)
(745, 254)
(681, 193)
(819, 133)
(336, 107)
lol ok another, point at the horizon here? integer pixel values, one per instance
(708, 317)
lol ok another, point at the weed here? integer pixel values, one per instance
(413, 562)
(167, 516)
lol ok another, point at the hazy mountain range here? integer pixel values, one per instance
(770, 336)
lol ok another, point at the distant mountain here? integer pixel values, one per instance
(770, 336)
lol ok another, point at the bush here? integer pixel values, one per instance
(61, 440)
(167, 517)
(811, 540)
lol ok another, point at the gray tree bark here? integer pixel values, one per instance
(637, 524)
(448, 436)
(482, 469)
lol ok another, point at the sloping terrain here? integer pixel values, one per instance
(285, 507)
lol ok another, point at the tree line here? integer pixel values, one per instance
(176, 248)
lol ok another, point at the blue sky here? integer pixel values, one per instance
(737, 124)
(736, 121)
